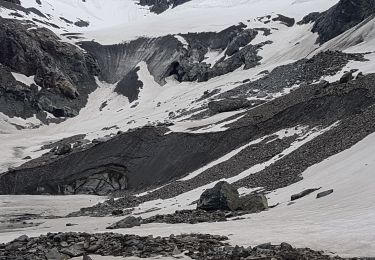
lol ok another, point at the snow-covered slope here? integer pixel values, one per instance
(293, 123)
(115, 21)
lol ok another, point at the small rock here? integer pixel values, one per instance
(176, 251)
(54, 254)
(22, 238)
(72, 251)
(117, 212)
(324, 193)
(303, 194)
(63, 149)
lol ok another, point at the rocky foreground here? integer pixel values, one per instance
(197, 246)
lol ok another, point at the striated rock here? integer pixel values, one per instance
(221, 197)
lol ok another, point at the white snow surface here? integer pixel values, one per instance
(342, 223)
(115, 21)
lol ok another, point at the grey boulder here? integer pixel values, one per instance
(222, 196)
(254, 202)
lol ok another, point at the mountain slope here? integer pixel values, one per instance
(154, 102)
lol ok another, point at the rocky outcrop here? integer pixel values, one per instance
(159, 6)
(341, 17)
(130, 85)
(63, 72)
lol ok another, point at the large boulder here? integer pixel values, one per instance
(222, 196)
(254, 202)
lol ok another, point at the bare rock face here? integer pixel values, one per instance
(222, 196)
(341, 17)
(159, 6)
(63, 73)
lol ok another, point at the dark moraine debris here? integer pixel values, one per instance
(196, 246)
(232, 104)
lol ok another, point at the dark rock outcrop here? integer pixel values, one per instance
(341, 17)
(348, 76)
(159, 6)
(130, 85)
(64, 73)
